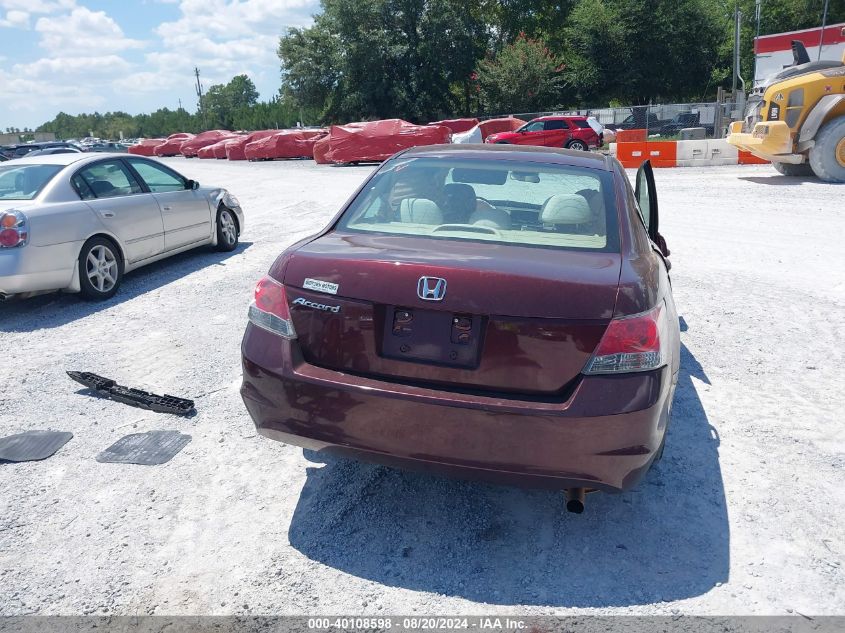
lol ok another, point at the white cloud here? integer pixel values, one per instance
(83, 32)
(88, 62)
(223, 38)
(37, 6)
(20, 94)
(56, 68)
(16, 19)
(229, 19)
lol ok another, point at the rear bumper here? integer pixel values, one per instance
(604, 436)
(37, 268)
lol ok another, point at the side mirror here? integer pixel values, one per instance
(192, 184)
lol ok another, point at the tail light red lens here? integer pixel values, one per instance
(635, 343)
(270, 309)
(14, 229)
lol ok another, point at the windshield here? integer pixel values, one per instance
(753, 112)
(508, 202)
(24, 182)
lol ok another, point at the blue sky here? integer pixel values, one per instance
(133, 55)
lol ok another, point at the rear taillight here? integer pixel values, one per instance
(14, 229)
(270, 309)
(634, 343)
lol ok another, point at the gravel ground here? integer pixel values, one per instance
(744, 515)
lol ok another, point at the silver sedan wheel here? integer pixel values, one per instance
(101, 268)
(228, 228)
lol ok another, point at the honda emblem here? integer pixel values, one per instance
(431, 288)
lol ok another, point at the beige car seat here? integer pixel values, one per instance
(567, 211)
(420, 211)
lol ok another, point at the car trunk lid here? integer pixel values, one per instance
(512, 318)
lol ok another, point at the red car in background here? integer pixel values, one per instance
(571, 132)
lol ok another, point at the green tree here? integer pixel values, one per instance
(638, 51)
(537, 19)
(221, 102)
(385, 58)
(523, 77)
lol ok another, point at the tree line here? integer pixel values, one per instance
(231, 106)
(424, 60)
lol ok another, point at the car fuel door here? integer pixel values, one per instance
(646, 194)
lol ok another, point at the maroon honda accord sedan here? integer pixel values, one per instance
(486, 312)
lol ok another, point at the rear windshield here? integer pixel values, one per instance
(24, 182)
(507, 202)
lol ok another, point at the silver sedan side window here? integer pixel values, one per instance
(158, 178)
(108, 179)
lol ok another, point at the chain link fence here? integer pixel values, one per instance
(665, 121)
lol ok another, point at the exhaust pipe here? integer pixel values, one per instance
(575, 500)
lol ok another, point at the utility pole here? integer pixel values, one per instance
(199, 95)
(180, 104)
(758, 8)
(824, 24)
(736, 75)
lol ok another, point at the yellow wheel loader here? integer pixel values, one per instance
(796, 119)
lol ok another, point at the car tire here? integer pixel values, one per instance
(577, 145)
(100, 269)
(827, 156)
(788, 169)
(227, 230)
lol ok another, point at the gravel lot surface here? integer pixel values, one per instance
(745, 514)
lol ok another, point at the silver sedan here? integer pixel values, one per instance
(77, 222)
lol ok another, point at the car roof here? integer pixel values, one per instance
(65, 159)
(528, 153)
(556, 117)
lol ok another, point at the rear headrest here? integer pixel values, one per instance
(420, 211)
(102, 187)
(458, 202)
(566, 208)
(459, 195)
(592, 197)
(494, 217)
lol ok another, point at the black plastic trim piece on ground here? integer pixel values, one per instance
(110, 389)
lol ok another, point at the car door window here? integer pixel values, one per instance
(646, 195)
(556, 125)
(108, 179)
(534, 126)
(158, 178)
(85, 192)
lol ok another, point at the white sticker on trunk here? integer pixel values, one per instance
(320, 286)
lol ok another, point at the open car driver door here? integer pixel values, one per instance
(646, 195)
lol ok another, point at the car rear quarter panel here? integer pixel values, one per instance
(60, 223)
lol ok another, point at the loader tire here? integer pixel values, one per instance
(788, 169)
(827, 156)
